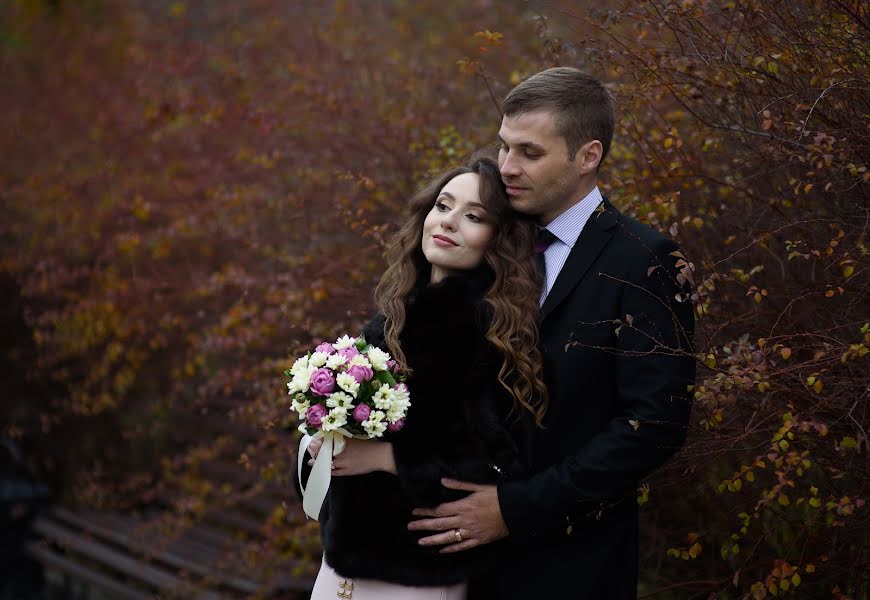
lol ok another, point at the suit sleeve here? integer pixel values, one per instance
(654, 367)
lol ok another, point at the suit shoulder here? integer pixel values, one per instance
(641, 242)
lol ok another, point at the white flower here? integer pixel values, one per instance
(401, 396)
(335, 361)
(339, 400)
(375, 425)
(344, 342)
(336, 418)
(347, 383)
(300, 365)
(395, 412)
(301, 406)
(318, 359)
(301, 381)
(382, 397)
(361, 360)
(378, 358)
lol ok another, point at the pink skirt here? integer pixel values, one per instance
(332, 586)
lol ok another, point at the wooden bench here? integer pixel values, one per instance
(164, 556)
(130, 557)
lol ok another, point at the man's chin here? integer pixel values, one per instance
(519, 204)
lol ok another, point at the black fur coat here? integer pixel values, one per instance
(457, 426)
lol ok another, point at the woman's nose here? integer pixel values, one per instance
(448, 220)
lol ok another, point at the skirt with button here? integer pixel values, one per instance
(332, 586)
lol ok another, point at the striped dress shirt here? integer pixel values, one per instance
(567, 227)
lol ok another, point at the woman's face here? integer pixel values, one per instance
(457, 230)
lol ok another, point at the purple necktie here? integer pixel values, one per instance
(543, 241)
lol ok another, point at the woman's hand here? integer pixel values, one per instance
(314, 448)
(359, 457)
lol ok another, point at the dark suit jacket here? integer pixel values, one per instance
(617, 362)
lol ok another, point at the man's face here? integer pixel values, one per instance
(533, 159)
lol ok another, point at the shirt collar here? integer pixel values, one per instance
(567, 226)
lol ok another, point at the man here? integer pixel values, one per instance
(616, 324)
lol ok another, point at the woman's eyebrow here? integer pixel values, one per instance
(467, 204)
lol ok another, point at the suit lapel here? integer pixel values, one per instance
(596, 233)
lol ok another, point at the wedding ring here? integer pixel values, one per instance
(457, 535)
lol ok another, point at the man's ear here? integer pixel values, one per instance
(588, 157)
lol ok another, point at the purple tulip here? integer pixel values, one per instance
(348, 352)
(325, 347)
(360, 373)
(361, 412)
(322, 382)
(315, 415)
(397, 425)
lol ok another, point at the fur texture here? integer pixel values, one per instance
(457, 426)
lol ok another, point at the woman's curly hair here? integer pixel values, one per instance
(513, 297)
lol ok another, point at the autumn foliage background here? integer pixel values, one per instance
(194, 193)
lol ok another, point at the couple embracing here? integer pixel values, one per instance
(547, 339)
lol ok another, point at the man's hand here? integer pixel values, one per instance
(476, 517)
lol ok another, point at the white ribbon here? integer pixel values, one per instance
(321, 473)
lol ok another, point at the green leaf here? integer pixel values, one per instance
(385, 377)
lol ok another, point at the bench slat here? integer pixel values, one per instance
(166, 555)
(136, 569)
(113, 588)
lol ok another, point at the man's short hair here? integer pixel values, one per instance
(581, 104)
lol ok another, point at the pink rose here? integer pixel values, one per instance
(360, 373)
(361, 412)
(397, 425)
(315, 415)
(322, 382)
(348, 352)
(325, 347)
(391, 364)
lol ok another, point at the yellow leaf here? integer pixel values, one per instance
(810, 568)
(795, 580)
(848, 443)
(758, 591)
(783, 500)
(848, 271)
(695, 550)
(669, 142)
(785, 353)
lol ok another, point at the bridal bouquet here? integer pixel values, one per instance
(348, 388)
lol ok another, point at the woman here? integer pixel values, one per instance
(458, 307)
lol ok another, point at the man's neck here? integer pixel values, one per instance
(580, 192)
